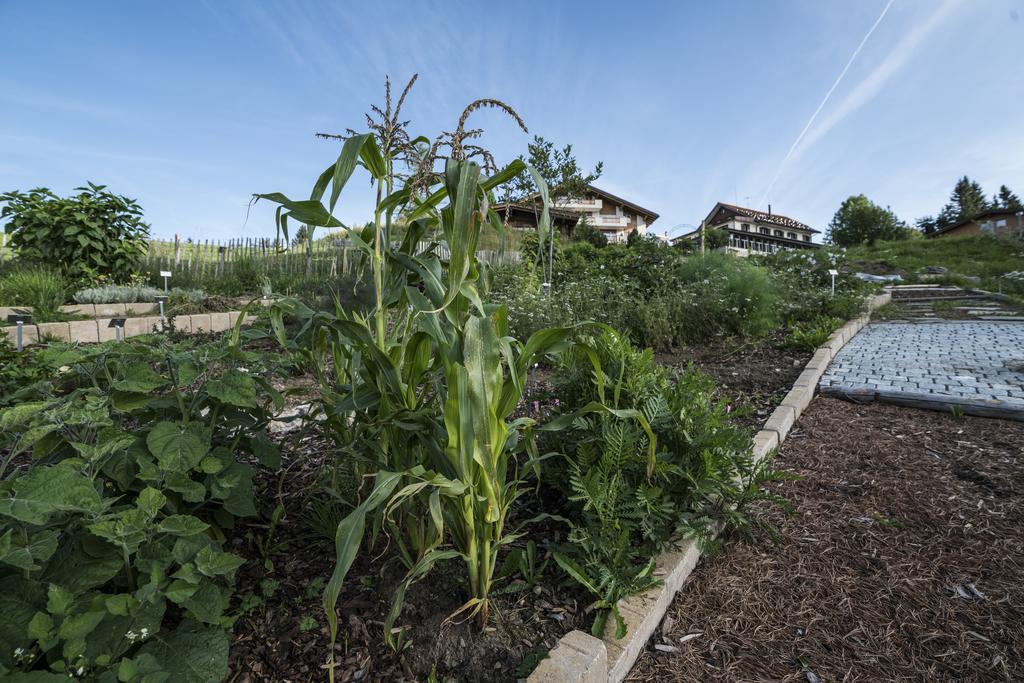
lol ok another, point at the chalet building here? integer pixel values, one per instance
(994, 222)
(614, 216)
(752, 231)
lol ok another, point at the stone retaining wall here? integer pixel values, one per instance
(99, 330)
(580, 657)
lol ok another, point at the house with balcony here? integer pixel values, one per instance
(614, 216)
(755, 232)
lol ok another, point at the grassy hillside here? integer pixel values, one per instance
(984, 257)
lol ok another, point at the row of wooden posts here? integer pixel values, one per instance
(328, 257)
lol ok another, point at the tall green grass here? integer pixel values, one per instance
(42, 289)
(980, 256)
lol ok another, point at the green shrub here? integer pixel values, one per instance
(94, 233)
(117, 294)
(722, 294)
(649, 455)
(41, 288)
(808, 336)
(111, 558)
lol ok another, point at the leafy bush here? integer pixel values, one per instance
(19, 373)
(655, 294)
(718, 294)
(649, 456)
(805, 285)
(40, 288)
(111, 559)
(94, 233)
(810, 335)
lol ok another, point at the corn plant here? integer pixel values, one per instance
(428, 380)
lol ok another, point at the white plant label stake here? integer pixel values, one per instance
(165, 274)
(833, 272)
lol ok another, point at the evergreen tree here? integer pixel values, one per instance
(926, 224)
(1006, 200)
(859, 221)
(966, 200)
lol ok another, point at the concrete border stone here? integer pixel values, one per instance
(105, 331)
(202, 322)
(29, 334)
(578, 658)
(220, 322)
(136, 327)
(80, 309)
(821, 358)
(84, 331)
(140, 309)
(799, 398)
(61, 331)
(781, 421)
(110, 311)
(569, 661)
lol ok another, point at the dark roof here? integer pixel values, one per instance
(596, 190)
(761, 217)
(620, 200)
(991, 213)
(525, 209)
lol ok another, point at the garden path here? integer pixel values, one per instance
(976, 366)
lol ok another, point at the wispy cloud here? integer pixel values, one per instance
(22, 96)
(871, 84)
(824, 101)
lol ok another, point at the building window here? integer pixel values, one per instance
(745, 226)
(807, 238)
(765, 231)
(778, 233)
(791, 235)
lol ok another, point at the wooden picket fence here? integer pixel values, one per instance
(194, 259)
(324, 258)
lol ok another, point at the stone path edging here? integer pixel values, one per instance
(580, 657)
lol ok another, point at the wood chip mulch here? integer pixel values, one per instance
(904, 560)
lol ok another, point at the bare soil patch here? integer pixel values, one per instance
(281, 633)
(904, 560)
(756, 374)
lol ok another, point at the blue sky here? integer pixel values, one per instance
(193, 106)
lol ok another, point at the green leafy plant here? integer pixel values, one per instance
(111, 557)
(526, 562)
(660, 461)
(810, 335)
(93, 233)
(40, 288)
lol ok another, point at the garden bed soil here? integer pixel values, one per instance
(904, 560)
(283, 635)
(756, 374)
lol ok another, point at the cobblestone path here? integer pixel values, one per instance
(978, 366)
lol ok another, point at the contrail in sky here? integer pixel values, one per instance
(824, 100)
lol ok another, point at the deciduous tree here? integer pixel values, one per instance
(859, 221)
